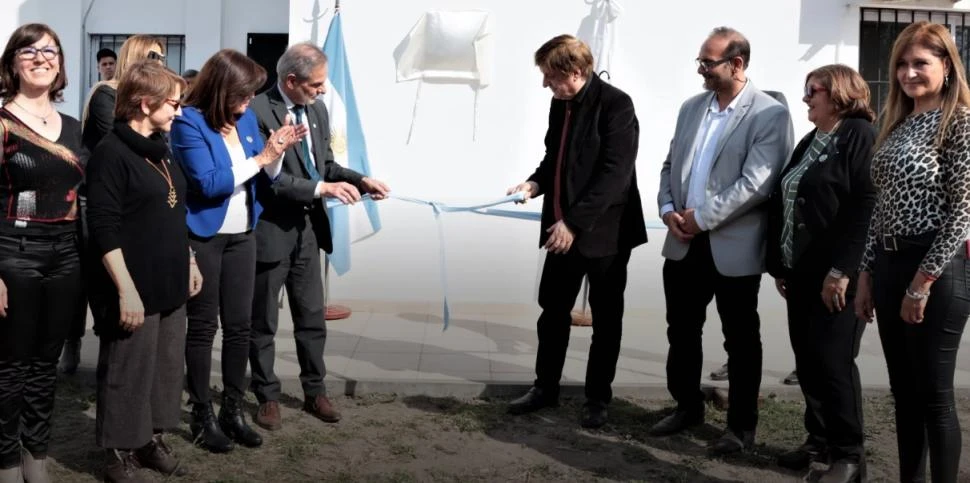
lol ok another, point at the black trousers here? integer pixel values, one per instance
(689, 286)
(43, 279)
(826, 345)
(228, 267)
(562, 276)
(140, 382)
(921, 359)
(81, 310)
(301, 274)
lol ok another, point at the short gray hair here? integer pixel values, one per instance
(300, 60)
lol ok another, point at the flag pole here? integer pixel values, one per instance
(332, 311)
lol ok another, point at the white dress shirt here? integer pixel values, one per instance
(290, 105)
(705, 142)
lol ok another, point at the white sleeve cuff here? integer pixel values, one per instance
(667, 208)
(274, 169)
(700, 220)
(317, 193)
(242, 172)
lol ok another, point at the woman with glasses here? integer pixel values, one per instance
(915, 271)
(218, 143)
(819, 214)
(98, 120)
(40, 269)
(142, 275)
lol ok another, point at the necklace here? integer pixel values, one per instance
(42, 118)
(172, 197)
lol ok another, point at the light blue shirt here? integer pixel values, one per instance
(705, 142)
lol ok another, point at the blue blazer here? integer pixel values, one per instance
(205, 160)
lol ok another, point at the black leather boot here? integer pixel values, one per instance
(234, 424)
(205, 432)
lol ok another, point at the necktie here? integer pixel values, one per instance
(557, 188)
(311, 168)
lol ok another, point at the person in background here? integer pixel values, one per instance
(218, 144)
(141, 276)
(97, 120)
(189, 75)
(818, 217)
(914, 274)
(106, 64)
(41, 169)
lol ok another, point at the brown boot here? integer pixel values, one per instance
(121, 466)
(268, 416)
(158, 456)
(320, 407)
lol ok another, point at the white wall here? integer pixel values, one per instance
(240, 18)
(495, 260)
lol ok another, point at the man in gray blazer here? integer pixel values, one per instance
(292, 230)
(728, 149)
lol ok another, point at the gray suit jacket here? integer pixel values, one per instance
(747, 161)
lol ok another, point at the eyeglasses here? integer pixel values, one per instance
(811, 90)
(30, 53)
(707, 65)
(156, 56)
(175, 103)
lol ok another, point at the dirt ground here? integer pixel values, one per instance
(389, 438)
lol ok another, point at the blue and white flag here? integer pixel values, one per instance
(347, 223)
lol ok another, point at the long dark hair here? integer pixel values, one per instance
(226, 80)
(25, 36)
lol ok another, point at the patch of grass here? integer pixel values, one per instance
(401, 449)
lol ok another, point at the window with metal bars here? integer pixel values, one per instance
(174, 53)
(879, 28)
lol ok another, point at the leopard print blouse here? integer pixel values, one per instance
(922, 188)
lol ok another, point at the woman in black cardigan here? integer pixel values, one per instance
(816, 237)
(141, 276)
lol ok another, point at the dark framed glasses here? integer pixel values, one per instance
(156, 56)
(707, 65)
(30, 53)
(175, 103)
(811, 90)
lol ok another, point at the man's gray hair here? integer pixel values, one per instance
(300, 60)
(737, 46)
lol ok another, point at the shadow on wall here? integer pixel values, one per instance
(816, 28)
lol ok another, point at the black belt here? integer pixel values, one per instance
(896, 243)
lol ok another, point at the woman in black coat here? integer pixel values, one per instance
(816, 237)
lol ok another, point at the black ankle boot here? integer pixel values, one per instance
(234, 424)
(205, 432)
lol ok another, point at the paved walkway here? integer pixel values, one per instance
(401, 347)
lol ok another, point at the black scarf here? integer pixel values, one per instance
(154, 148)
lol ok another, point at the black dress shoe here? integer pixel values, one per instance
(798, 459)
(677, 422)
(532, 401)
(594, 416)
(234, 425)
(731, 443)
(842, 472)
(206, 432)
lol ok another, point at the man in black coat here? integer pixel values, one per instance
(293, 228)
(591, 220)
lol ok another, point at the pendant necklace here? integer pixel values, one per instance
(43, 119)
(172, 196)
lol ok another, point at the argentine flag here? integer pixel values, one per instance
(347, 223)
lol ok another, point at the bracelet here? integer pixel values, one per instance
(836, 273)
(916, 295)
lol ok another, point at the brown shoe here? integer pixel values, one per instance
(320, 407)
(158, 456)
(268, 416)
(121, 467)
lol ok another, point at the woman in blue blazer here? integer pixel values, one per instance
(218, 144)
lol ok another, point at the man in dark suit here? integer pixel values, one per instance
(293, 228)
(591, 220)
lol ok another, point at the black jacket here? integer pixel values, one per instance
(834, 204)
(600, 200)
(291, 197)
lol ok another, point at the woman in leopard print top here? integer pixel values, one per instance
(915, 270)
